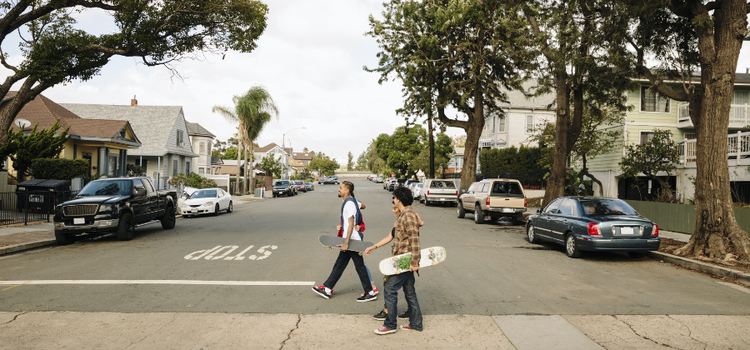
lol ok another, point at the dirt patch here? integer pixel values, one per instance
(670, 245)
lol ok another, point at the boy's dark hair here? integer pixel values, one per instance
(350, 186)
(404, 195)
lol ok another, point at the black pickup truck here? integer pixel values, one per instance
(114, 205)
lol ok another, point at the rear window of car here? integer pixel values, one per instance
(606, 207)
(506, 188)
(281, 183)
(443, 184)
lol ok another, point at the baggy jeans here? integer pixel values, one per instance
(390, 293)
(340, 265)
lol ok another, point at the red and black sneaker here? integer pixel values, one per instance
(384, 330)
(321, 290)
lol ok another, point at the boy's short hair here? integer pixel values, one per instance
(404, 195)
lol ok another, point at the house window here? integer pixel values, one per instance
(501, 124)
(201, 170)
(646, 137)
(652, 101)
(202, 148)
(529, 123)
(123, 134)
(741, 97)
(180, 138)
(690, 136)
(187, 168)
(175, 166)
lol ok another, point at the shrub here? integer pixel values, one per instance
(58, 168)
(192, 180)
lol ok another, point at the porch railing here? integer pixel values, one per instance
(739, 116)
(738, 147)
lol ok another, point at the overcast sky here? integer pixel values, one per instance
(310, 59)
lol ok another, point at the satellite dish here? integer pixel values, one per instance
(22, 123)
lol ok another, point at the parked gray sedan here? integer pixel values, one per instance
(593, 224)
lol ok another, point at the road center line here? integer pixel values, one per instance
(168, 282)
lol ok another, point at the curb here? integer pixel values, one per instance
(741, 277)
(27, 246)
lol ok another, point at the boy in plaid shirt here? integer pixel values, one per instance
(406, 240)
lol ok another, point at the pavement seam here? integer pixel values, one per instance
(16, 317)
(642, 336)
(174, 318)
(289, 335)
(690, 331)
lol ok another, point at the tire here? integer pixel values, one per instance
(426, 202)
(637, 255)
(571, 247)
(478, 215)
(517, 220)
(216, 210)
(63, 238)
(168, 221)
(531, 235)
(230, 208)
(460, 211)
(126, 228)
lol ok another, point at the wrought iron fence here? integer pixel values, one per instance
(23, 207)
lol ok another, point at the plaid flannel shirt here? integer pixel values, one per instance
(407, 236)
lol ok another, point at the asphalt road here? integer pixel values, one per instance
(270, 252)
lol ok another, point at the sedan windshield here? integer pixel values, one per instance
(281, 183)
(107, 188)
(204, 194)
(606, 207)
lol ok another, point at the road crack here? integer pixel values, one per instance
(16, 317)
(643, 336)
(690, 332)
(289, 335)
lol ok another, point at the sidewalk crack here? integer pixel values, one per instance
(643, 336)
(690, 332)
(174, 317)
(289, 335)
(16, 317)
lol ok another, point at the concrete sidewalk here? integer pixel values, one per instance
(57, 330)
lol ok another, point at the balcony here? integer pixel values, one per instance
(738, 150)
(739, 116)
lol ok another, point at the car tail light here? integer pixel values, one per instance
(428, 192)
(525, 203)
(655, 232)
(456, 193)
(593, 229)
(487, 201)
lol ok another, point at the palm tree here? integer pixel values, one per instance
(257, 107)
(251, 111)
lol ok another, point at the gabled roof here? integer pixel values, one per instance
(45, 112)
(519, 100)
(195, 129)
(269, 147)
(155, 125)
(216, 161)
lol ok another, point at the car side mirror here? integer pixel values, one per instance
(463, 190)
(140, 190)
(539, 211)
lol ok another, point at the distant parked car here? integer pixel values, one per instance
(207, 201)
(300, 185)
(416, 189)
(495, 198)
(284, 188)
(309, 186)
(378, 179)
(392, 184)
(331, 180)
(438, 191)
(593, 224)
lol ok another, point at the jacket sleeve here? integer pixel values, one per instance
(411, 227)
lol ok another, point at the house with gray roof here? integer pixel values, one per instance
(166, 150)
(202, 141)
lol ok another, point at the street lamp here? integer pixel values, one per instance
(283, 148)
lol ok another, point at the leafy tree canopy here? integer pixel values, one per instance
(37, 144)
(657, 155)
(272, 165)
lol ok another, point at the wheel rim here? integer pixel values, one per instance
(231, 207)
(570, 244)
(530, 233)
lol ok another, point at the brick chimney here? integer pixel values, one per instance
(133, 102)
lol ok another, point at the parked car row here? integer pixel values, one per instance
(329, 180)
(291, 187)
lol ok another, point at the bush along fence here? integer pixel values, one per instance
(681, 217)
(529, 180)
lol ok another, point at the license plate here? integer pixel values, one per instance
(508, 210)
(79, 221)
(442, 199)
(626, 231)
(36, 198)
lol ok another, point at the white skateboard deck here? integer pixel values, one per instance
(400, 263)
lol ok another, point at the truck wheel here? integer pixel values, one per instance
(461, 211)
(478, 215)
(63, 238)
(168, 221)
(126, 228)
(230, 208)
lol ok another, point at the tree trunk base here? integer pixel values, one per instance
(734, 245)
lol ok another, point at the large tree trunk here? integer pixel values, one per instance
(556, 180)
(252, 168)
(716, 234)
(473, 128)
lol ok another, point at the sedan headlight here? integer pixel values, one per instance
(208, 204)
(105, 207)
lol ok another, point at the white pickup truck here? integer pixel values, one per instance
(495, 198)
(439, 191)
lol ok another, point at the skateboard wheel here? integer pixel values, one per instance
(360, 253)
(329, 248)
(431, 249)
(394, 259)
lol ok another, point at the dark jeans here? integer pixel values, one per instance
(340, 265)
(390, 293)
